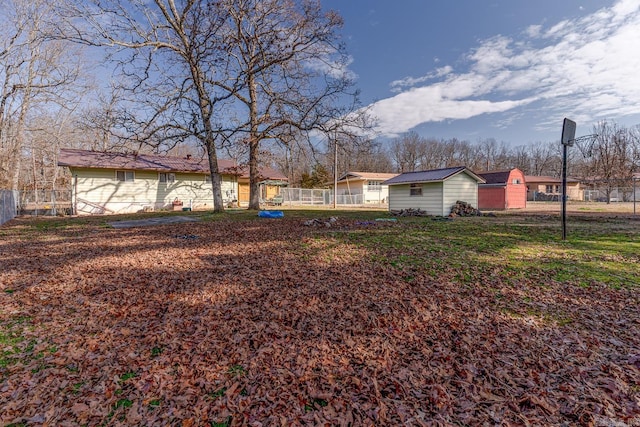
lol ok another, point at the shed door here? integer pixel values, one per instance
(243, 192)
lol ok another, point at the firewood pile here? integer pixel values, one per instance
(409, 212)
(463, 209)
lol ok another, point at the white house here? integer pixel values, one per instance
(363, 187)
(434, 191)
(125, 183)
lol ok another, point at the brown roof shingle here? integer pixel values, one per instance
(75, 158)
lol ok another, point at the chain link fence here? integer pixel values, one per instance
(319, 197)
(8, 205)
(45, 202)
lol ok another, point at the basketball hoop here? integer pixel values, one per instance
(585, 144)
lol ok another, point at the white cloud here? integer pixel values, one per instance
(397, 85)
(533, 30)
(585, 67)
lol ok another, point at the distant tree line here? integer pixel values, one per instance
(262, 82)
(606, 161)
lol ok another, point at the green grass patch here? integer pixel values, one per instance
(123, 403)
(218, 393)
(75, 388)
(237, 370)
(315, 404)
(225, 423)
(127, 376)
(508, 250)
(14, 347)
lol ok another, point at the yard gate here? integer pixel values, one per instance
(8, 205)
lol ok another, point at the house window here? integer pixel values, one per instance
(415, 190)
(167, 177)
(516, 181)
(548, 189)
(374, 186)
(124, 175)
(557, 188)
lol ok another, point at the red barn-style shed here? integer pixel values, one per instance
(503, 190)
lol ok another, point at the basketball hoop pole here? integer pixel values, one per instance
(634, 179)
(564, 191)
(567, 140)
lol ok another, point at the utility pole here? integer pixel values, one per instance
(335, 171)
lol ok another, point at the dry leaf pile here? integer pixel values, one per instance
(262, 323)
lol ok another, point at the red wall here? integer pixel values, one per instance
(516, 193)
(513, 196)
(491, 198)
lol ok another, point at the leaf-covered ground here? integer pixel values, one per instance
(237, 320)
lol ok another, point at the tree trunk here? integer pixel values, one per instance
(216, 178)
(254, 142)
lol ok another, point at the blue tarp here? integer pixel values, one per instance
(271, 214)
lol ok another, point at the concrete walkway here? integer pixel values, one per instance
(153, 221)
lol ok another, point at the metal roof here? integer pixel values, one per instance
(103, 160)
(498, 177)
(435, 175)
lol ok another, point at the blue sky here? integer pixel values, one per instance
(504, 69)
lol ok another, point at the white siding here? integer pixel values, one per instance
(361, 187)
(99, 188)
(352, 187)
(430, 201)
(459, 187)
(381, 196)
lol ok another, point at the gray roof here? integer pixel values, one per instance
(498, 177)
(435, 175)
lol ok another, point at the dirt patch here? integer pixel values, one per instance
(583, 207)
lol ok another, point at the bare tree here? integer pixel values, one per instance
(545, 159)
(408, 152)
(286, 74)
(494, 155)
(167, 55)
(364, 156)
(612, 163)
(37, 74)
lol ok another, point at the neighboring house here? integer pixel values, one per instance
(363, 187)
(125, 183)
(502, 190)
(272, 182)
(548, 188)
(620, 189)
(434, 191)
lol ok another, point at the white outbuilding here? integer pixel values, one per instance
(434, 191)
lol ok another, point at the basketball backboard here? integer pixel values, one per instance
(568, 132)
